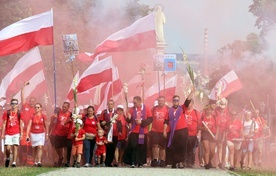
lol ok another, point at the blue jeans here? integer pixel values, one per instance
(88, 149)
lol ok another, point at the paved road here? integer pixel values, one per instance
(125, 171)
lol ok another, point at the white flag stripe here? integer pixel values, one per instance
(35, 81)
(27, 25)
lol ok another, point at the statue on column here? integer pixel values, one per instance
(160, 20)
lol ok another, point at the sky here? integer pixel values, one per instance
(226, 21)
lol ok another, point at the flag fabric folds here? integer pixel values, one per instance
(227, 85)
(140, 35)
(25, 68)
(27, 33)
(153, 92)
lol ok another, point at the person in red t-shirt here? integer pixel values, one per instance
(158, 140)
(12, 131)
(101, 148)
(28, 110)
(37, 132)
(140, 117)
(208, 135)
(233, 138)
(77, 143)
(63, 127)
(192, 117)
(90, 126)
(121, 129)
(178, 135)
(222, 116)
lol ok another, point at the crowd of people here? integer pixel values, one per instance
(162, 136)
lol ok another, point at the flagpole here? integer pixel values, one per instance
(158, 76)
(54, 62)
(164, 84)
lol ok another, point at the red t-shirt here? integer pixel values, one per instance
(160, 114)
(139, 111)
(12, 123)
(90, 125)
(28, 112)
(80, 135)
(61, 129)
(193, 120)
(234, 129)
(101, 149)
(222, 119)
(38, 123)
(210, 122)
(122, 120)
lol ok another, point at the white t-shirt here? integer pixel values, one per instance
(247, 126)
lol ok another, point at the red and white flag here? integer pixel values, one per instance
(227, 85)
(153, 92)
(25, 68)
(138, 36)
(134, 86)
(97, 73)
(27, 33)
(36, 88)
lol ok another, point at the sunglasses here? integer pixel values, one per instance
(176, 100)
(14, 103)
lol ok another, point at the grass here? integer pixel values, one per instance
(256, 172)
(25, 171)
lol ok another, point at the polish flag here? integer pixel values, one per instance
(105, 98)
(25, 68)
(36, 88)
(27, 33)
(95, 74)
(134, 86)
(227, 85)
(138, 36)
(75, 82)
(153, 92)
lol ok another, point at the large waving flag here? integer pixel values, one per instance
(37, 87)
(27, 33)
(153, 92)
(95, 74)
(227, 85)
(140, 35)
(25, 68)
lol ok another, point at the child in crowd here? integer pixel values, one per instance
(101, 149)
(77, 143)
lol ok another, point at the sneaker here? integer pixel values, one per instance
(103, 165)
(66, 164)
(174, 166)
(132, 166)
(13, 165)
(231, 168)
(98, 165)
(207, 166)
(7, 162)
(115, 165)
(78, 165)
(163, 163)
(35, 164)
(140, 166)
(86, 165)
(154, 163)
(39, 164)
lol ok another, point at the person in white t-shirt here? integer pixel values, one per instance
(250, 128)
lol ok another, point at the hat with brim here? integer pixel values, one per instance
(120, 107)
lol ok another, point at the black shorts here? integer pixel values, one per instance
(157, 138)
(52, 140)
(205, 135)
(61, 142)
